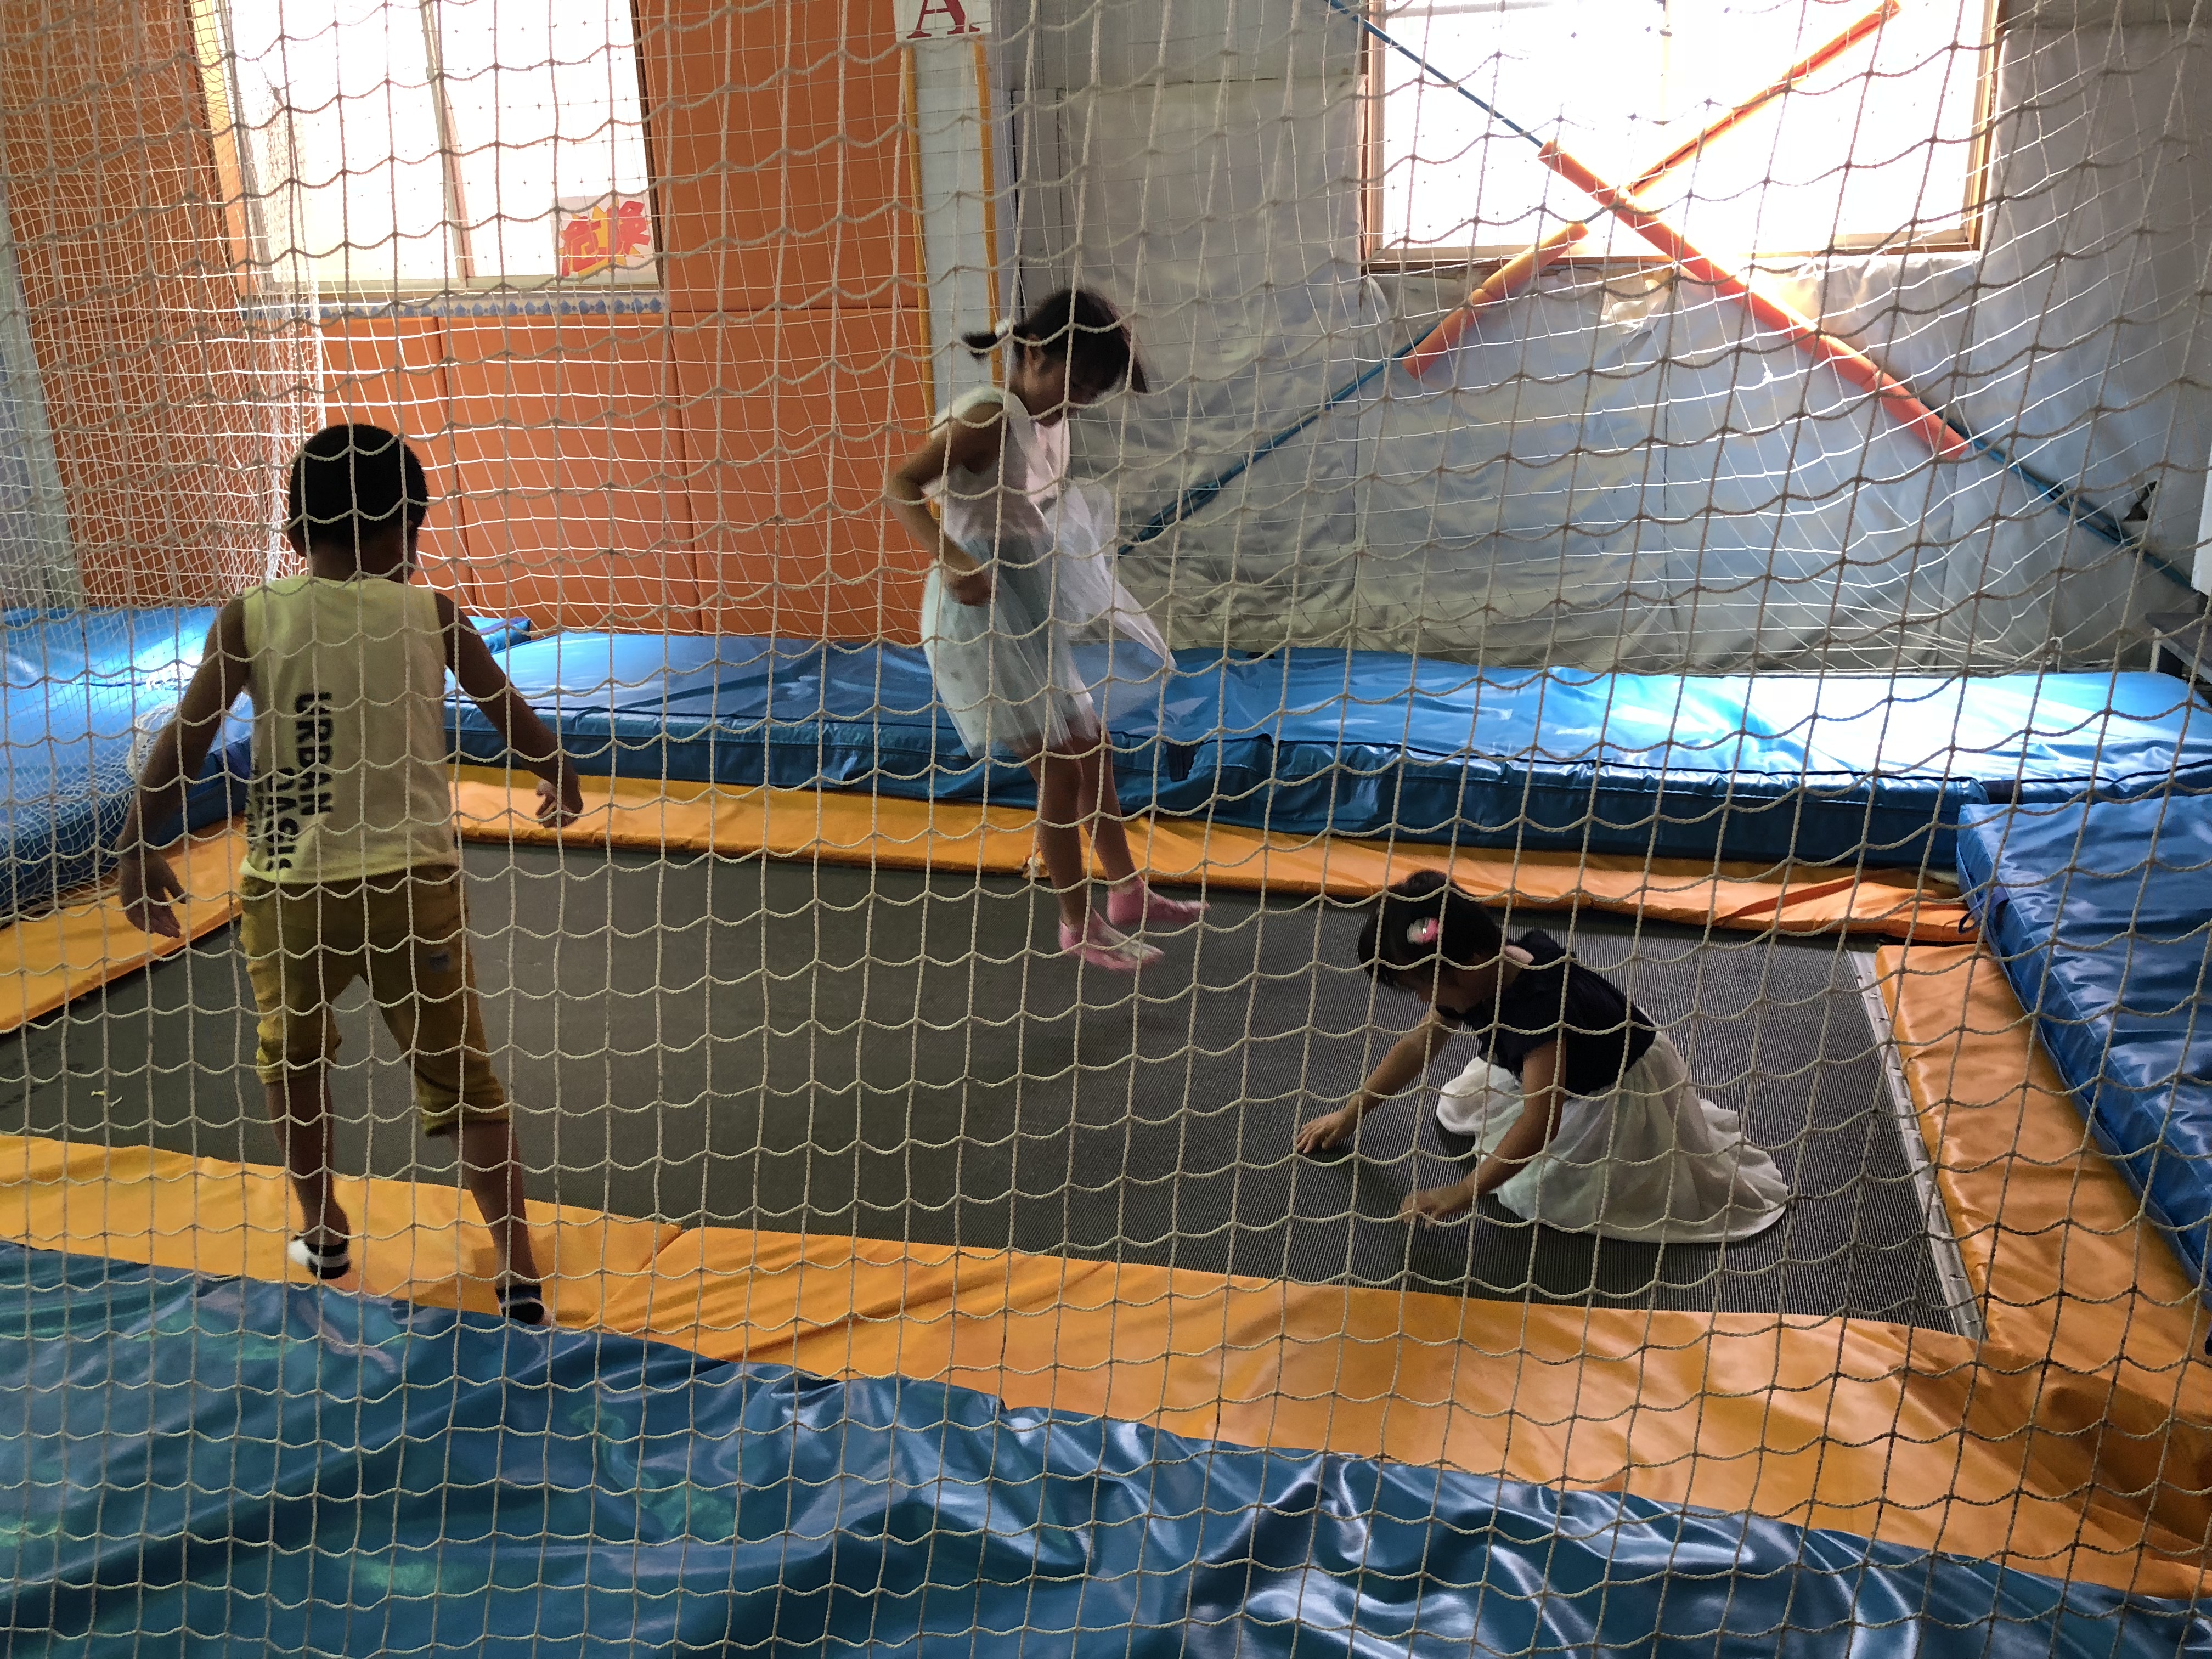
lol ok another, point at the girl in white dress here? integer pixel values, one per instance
(1583, 1112)
(1021, 571)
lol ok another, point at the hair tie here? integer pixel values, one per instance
(1425, 931)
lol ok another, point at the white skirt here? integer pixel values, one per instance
(1651, 1162)
(1006, 672)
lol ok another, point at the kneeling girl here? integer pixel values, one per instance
(1582, 1108)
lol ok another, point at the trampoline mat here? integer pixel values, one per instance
(840, 1051)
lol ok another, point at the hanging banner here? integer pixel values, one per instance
(916, 20)
(603, 232)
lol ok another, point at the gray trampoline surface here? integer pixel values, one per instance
(842, 1051)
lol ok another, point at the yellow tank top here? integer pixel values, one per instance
(350, 755)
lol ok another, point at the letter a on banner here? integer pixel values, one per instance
(940, 20)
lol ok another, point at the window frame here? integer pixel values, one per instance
(1378, 258)
(245, 204)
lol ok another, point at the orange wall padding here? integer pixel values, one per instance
(717, 466)
(120, 235)
(793, 420)
(567, 446)
(393, 374)
(713, 472)
(779, 154)
(782, 165)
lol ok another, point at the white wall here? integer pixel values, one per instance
(1613, 474)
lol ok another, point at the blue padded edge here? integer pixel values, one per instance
(227, 1466)
(1316, 742)
(2101, 914)
(79, 690)
(1305, 741)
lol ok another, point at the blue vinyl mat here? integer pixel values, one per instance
(198, 1465)
(81, 694)
(2102, 915)
(1367, 743)
(1304, 741)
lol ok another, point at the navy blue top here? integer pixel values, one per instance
(1553, 998)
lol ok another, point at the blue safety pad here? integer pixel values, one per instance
(1369, 743)
(2102, 915)
(219, 1466)
(80, 692)
(83, 691)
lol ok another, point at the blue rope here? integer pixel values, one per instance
(2078, 509)
(1449, 82)
(1199, 494)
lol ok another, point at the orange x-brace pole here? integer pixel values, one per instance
(1517, 273)
(1817, 343)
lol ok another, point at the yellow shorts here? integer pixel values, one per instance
(406, 933)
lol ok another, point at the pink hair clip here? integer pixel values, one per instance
(1425, 932)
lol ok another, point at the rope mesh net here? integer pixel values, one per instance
(1720, 478)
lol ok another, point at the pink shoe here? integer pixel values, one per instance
(1136, 905)
(1101, 947)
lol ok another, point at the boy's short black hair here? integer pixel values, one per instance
(1397, 939)
(349, 482)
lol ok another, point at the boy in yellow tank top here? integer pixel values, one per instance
(352, 869)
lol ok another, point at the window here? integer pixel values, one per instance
(382, 144)
(1879, 148)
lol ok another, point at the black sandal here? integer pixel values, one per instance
(324, 1262)
(522, 1300)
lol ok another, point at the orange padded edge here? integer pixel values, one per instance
(51, 959)
(1909, 1437)
(909, 835)
(54, 957)
(136, 1203)
(2055, 1243)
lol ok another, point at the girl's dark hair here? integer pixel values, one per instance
(1081, 329)
(1395, 940)
(350, 481)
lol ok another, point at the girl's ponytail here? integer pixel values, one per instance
(1079, 328)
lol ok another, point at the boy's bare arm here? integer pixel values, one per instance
(515, 720)
(180, 750)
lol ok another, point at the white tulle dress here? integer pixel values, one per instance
(1006, 671)
(1651, 1162)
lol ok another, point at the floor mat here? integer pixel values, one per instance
(900, 1055)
